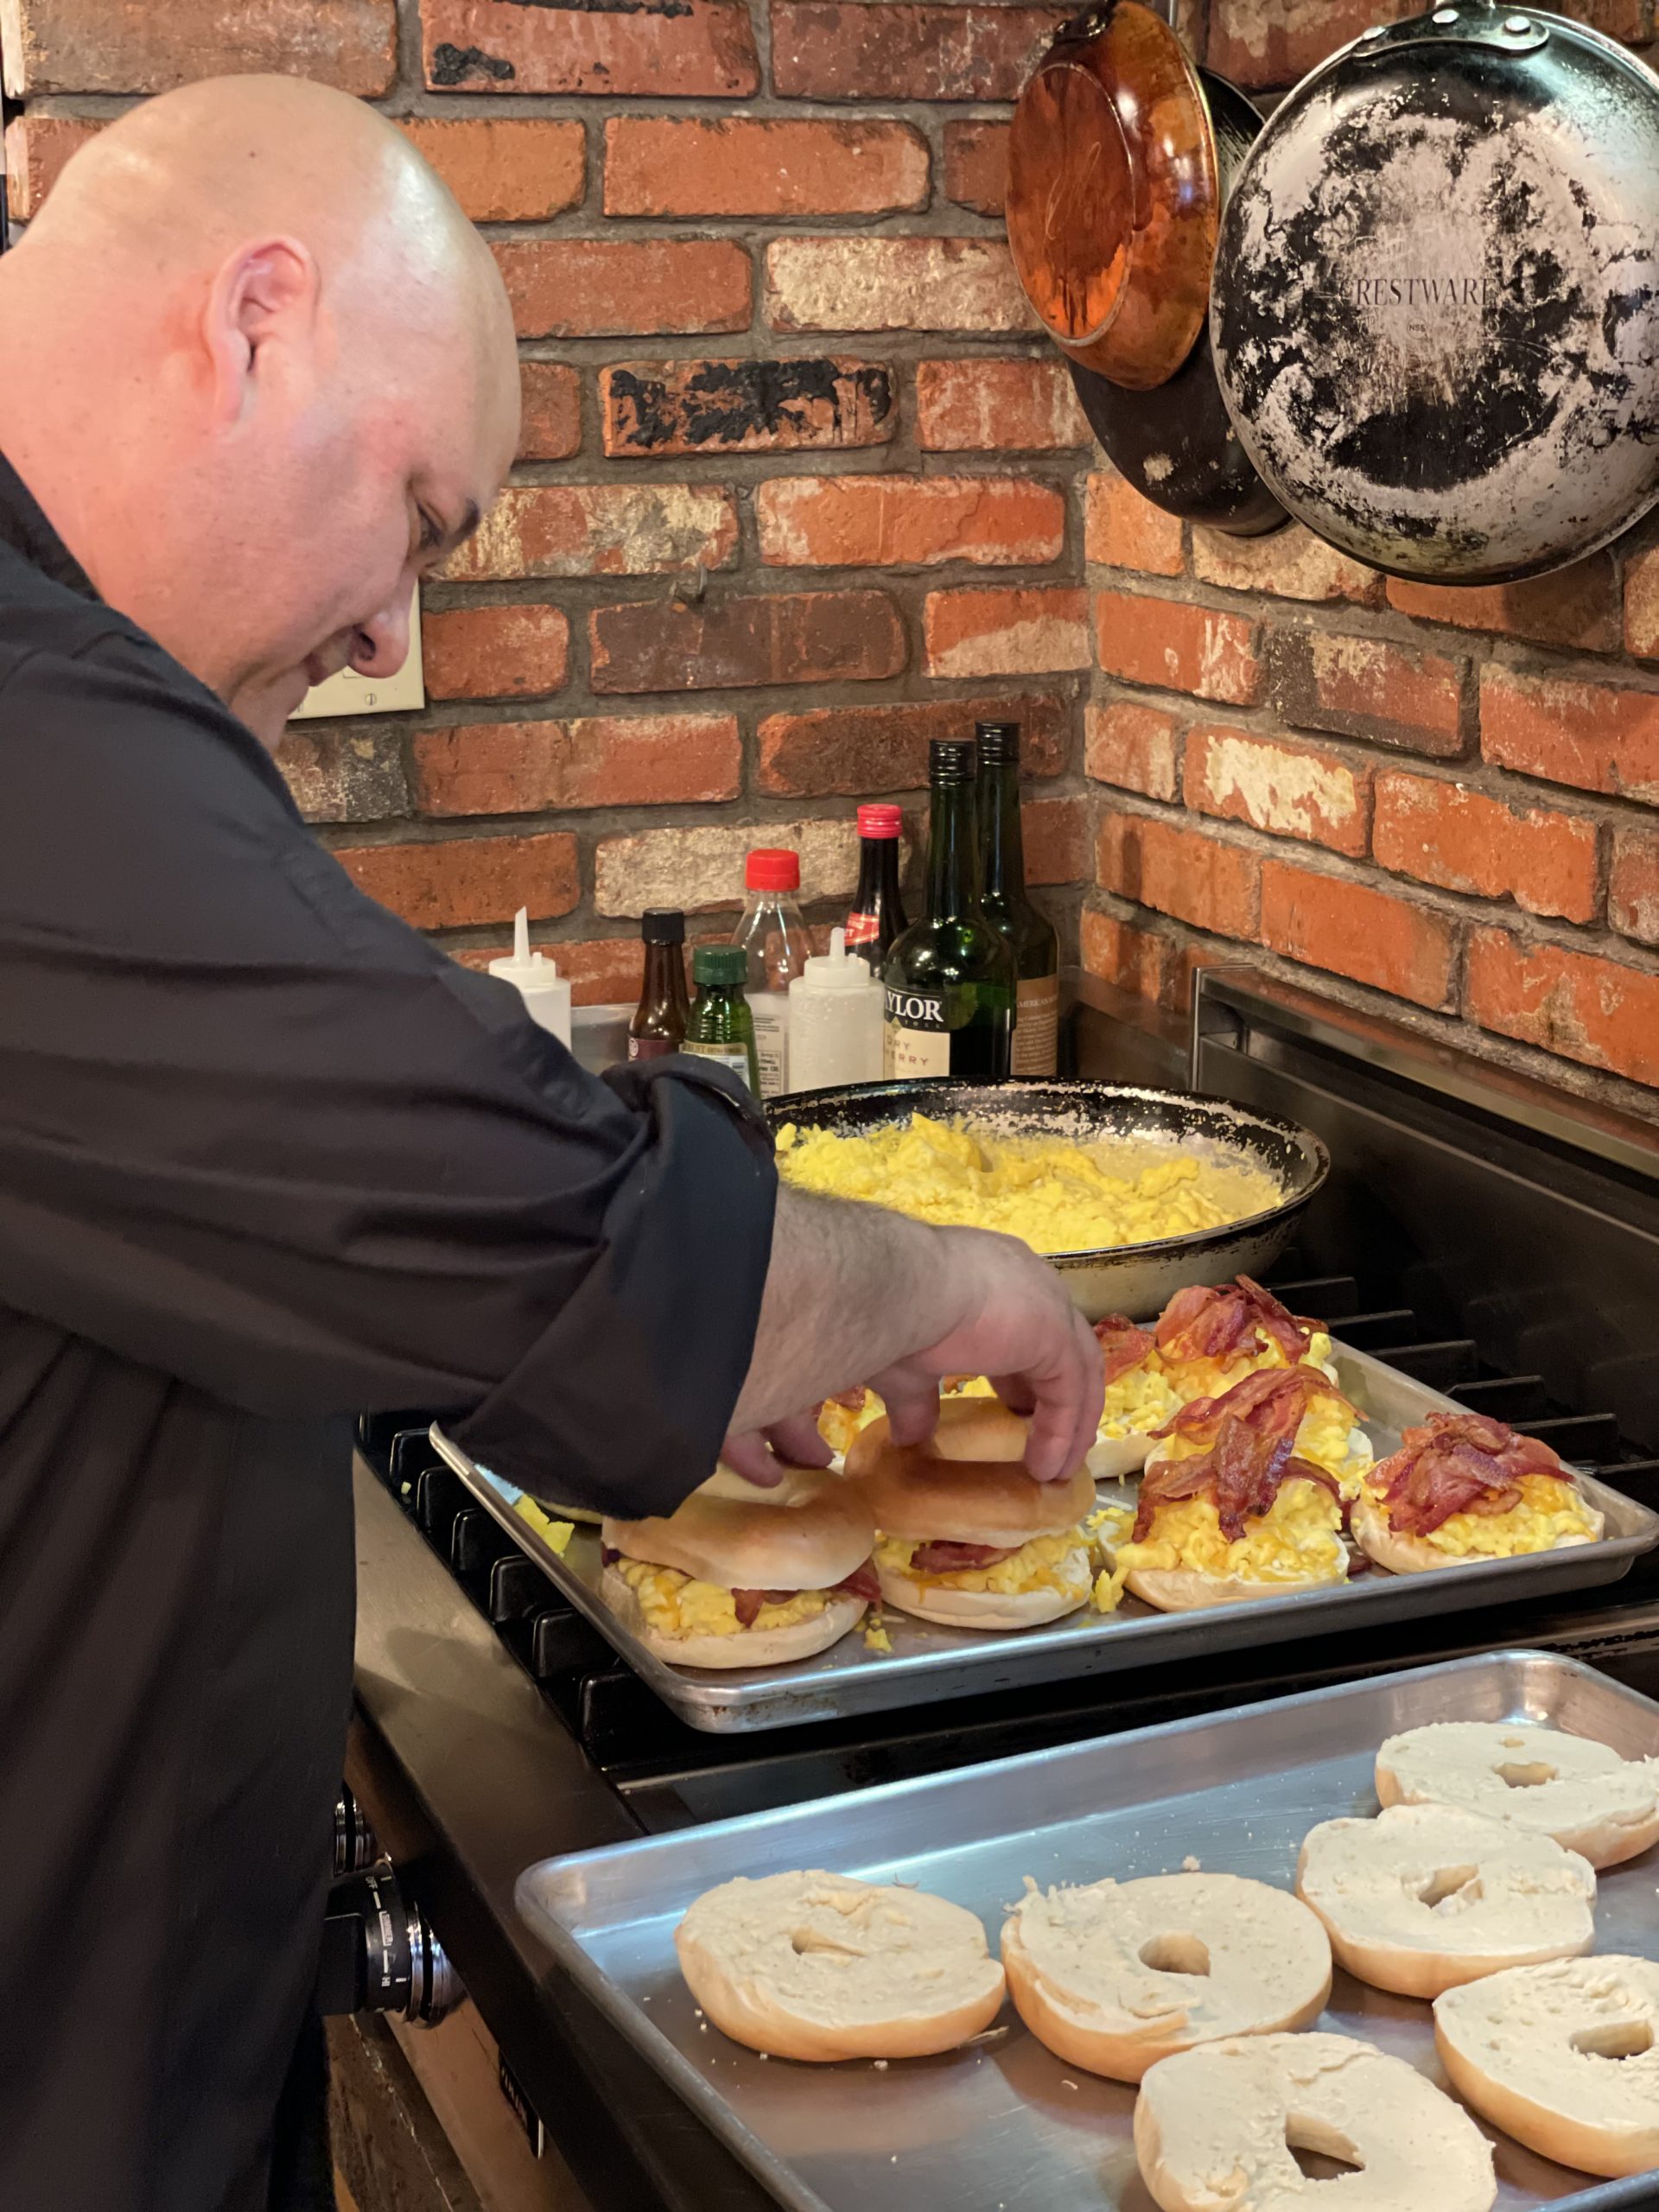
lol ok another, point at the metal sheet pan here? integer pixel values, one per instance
(928, 1662)
(1003, 2123)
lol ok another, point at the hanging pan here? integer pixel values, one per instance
(1120, 157)
(1435, 309)
(1176, 445)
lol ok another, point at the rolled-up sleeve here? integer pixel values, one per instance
(256, 1132)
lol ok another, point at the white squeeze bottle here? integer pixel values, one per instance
(545, 992)
(835, 1032)
(773, 939)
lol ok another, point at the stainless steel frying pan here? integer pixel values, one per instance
(1138, 1280)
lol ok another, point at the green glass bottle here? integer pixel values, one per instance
(722, 1029)
(1030, 936)
(949, 978)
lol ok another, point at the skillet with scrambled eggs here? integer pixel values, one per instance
(1056, 1196)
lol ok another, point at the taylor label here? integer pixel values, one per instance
(1037, 1026)
(917, 1042)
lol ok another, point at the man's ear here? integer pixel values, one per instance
(265, 293)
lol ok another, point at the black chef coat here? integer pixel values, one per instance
(267, 1159)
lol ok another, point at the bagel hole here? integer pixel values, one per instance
(1175, 1954)
(1530, 1774)
(1450, 1881)
(1618, 2039)
(1320, 2155)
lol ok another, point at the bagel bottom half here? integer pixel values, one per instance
(815, 1966)
(1182, 1589)
(749, 1647)
(1380, 1540)
(1115, 1976)
(1565, 2057)
(934, 1600)
(1219, 2126)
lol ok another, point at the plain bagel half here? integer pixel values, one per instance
(1426, 1897)
(1218, 2128)
(1116, 1975)
(1563, 2057)
(814, 1966)
(1581, 1792)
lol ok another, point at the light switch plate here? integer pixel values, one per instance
(348, 693)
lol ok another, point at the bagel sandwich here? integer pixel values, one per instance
(741, 1576)
(1463, 1486)
(1229, 1510)
(1211, 1335)
(968, 1537)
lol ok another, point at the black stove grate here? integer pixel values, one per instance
(672, 1774)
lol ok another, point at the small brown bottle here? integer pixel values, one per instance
(659, 1019)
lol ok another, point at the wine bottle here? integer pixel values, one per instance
(1030, 935)
(878, 911)
(949, 978)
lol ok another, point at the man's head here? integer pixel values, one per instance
(259, 370)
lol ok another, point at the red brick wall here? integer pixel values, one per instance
(799, 489)
(1444, 804)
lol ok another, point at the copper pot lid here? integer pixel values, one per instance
(1114, 196)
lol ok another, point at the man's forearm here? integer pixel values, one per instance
(850, 1289)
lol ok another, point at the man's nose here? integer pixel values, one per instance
(382, 645)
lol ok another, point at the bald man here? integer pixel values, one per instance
(268, 1159)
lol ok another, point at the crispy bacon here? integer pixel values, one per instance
(1122, 1345)
(863, 1582)
(1273, 1401)
(1241, 1474)
(1458, 1463)
(749, 1602)
(1239, 1317)
(954, 1559)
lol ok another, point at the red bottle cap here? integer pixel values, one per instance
(770, 869)
(881, 821)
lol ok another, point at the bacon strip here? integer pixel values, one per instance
(749, 1602)
(1458, 1463)
(1122, 1346)
(956, 1558)
(1273, 1401)
(863, 1582)
(1201, 1322)
(1241, 1474)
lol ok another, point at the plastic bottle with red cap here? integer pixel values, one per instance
(773, 938)
(878, 910)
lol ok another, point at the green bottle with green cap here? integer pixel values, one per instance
(722, 1028)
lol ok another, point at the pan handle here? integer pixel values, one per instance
(1460, 22)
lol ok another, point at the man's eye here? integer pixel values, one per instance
(431, 532)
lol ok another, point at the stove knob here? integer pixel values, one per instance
(355, 1846)
(380, 1954)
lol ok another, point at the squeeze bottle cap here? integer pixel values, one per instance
(538, 981)
(838, 970)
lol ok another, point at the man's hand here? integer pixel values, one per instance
(1022, 1330)
(756, 1454)
(857, 1294)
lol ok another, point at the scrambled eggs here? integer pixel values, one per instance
(1058, 1197)
(674, 1605)
(1323, 1437)
(1551, 1512)
(839, 1424)
(556, 1534)
(1298, 1540)
(1208, 1378)
(1046, 1563)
